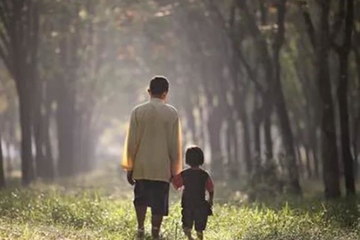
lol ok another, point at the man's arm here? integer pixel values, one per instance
(130, 148)
(176, 148)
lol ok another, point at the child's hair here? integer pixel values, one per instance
(194, 156)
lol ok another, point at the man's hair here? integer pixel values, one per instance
(158, 85)
(194, 156)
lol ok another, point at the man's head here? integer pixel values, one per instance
(194, 156)
(159, 87)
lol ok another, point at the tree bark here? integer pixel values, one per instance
(274, 96)
(280, 104)
(65, 115)
(27, 162)
(214, 126)
(246, 140)
(268, 139)
(38, 123)
(329, 151)
(308, 162)
(232, 147)
(18, 49)
(2, 173)
(48, 152)
(343, 54)
(256, 128)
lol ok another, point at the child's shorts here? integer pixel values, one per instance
(197, 216)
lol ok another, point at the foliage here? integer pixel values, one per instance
(74, 210)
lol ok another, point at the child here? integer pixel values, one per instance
(195, 208)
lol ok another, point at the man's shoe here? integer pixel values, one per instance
(140, 234)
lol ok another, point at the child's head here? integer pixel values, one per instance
(194, 156)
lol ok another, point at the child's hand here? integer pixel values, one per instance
(177, 181)
(210, 202)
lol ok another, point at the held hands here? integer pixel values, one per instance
(130, 179)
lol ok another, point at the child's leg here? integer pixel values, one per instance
(187, 232)
(187, 222)
(200, 235)
(200, 222)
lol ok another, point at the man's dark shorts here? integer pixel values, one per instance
(154, 194)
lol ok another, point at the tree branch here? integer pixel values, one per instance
(309, 24)
(338, 23)
(4, 39)
(230, 35)
(6, 60)
(3, 18)
(349, 24)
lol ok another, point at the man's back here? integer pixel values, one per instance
(155, 134)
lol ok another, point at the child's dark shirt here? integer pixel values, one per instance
(195, 181)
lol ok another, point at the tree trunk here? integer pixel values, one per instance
(329, 151)
(356, 124)
(9, 162)
(343, 53)
(308, 162)
(48, 152)
(2, 173)
(246, 141)
(38, 124)
(84, 143)
(267, 137)
(344, 126)
(27, 163)
(280, 105)
(232, 146)
(214, 126)
(65, 115)
(256, 131)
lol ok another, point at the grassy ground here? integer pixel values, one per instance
(99, 207)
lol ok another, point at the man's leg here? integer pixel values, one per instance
(159, 206)
(156, 221)
(140, 216)
(140, 206)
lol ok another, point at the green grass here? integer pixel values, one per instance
(100, 207)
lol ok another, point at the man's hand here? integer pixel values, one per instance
(130, 178)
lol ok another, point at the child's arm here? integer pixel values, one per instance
(211, 198)
(210, 189)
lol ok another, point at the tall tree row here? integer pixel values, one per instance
(270, 86)
(52, 89)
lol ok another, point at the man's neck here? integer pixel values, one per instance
(157, 99)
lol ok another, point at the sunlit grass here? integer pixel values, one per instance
(99, 206)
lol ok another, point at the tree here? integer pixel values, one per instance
(343, 55)
(18, 49)
(274, 95)
(321, 44)
(2, 173)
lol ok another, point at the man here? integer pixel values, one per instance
(152, 154)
